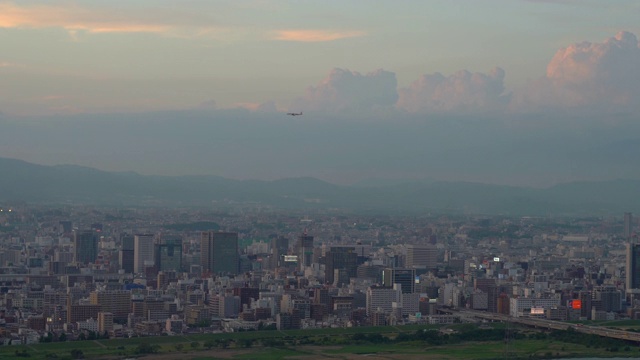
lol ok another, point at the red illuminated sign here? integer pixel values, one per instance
(576, 304)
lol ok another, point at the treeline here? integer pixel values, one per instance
(588, 340)
(437, 338)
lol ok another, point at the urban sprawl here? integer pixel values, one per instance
(79, 272)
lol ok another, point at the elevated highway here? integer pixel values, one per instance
(552, 325)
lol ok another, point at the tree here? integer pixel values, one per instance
(204, 323)
(209, 344)
(77, 354)
(247, 343)
(195, 345)
(22, 353)
(179, 347)
(145, 348)
(62, 337)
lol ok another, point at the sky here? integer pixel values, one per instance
(528, 71)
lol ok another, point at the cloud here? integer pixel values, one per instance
(71, 18)
(92, 19)
(314, 35)
(53, 97)
(208, 105)
(602, 76)
(349, 90)
(6, 64)
(268, 106)
(461, 92)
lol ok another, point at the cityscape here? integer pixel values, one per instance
(312, 180)
(78, 271)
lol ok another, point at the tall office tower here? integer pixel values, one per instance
(405, 277)
(125, 256)
(304, 250)
(279, 247)
(628, 225)
(86, 246)
(633, 268)
(142, 252)
(219, 252)
(340, 258)
(169, 255)
(422, 256)
(489, 286)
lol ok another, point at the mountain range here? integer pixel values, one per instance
(70, 184)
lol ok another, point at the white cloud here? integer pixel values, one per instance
(461, 92)
(349, 90)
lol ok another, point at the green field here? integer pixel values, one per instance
(402, 342)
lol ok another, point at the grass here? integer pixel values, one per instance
(339, 346)
(271, 353)
(127, 347)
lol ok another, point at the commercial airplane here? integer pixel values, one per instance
(295, 114)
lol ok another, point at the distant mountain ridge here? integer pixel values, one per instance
(23, 181)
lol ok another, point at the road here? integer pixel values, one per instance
(552, 324)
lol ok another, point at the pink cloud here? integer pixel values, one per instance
(6, 64)
(73, 18)
(461, 92)
(599, 76)
(268, 106)
(314, 35)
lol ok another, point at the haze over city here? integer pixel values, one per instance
(265, 179)
(529, 93)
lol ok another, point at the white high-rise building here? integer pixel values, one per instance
(142, 251)
(383, 297)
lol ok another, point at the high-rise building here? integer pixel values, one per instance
(628, 225)
(489, 287)
(633, 267)
(116, 302)
(339, 258)
(279, 248)
(304, 250)
(125, 256)
(169, 255)
(382, 298)
(86, 246)
(219, 252)
(246, 295)
(422, 256)
(405, 277)
(65, 226)
(81, 312)
(142, 252)
(105, 322)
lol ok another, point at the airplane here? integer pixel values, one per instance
(295, 114)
